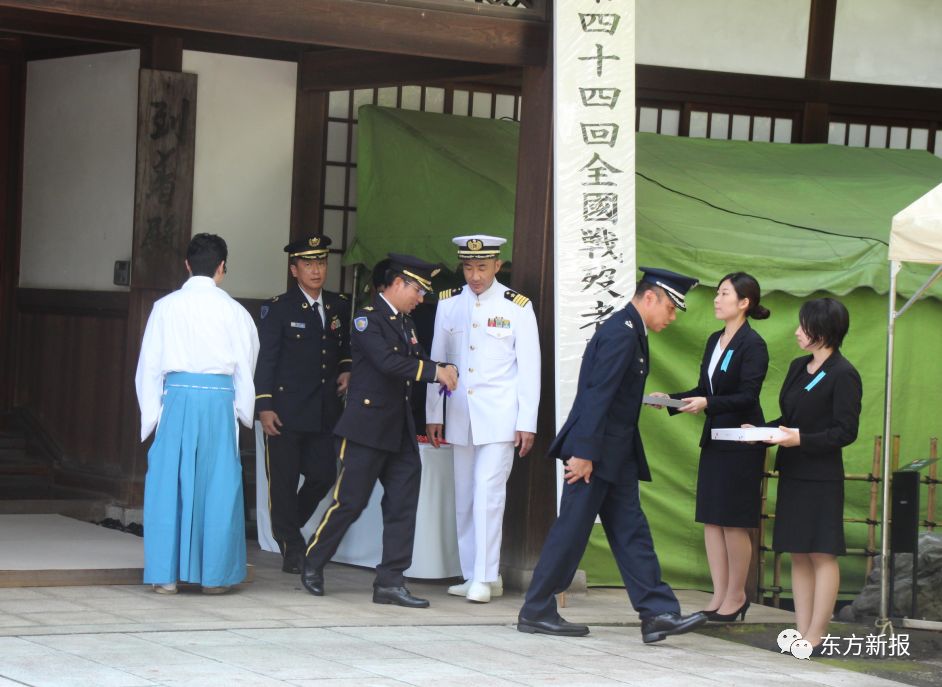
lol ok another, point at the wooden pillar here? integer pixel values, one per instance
(12, 104)
(310, 139)
(163, 203)
(531, 491)
(816, 115)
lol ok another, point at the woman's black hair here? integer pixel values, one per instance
(746, 286)
(825, 321)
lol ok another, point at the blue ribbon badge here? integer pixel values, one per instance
(726, 359)
(814, 381)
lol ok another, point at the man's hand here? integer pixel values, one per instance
(576, 469)
(343, 381)
(447, 376)
(792, 437)
(270, 422)
(434, 433)
(658, 394)
(693, 405)
(524, 441)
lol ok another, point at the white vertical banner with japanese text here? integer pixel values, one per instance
(593, 176)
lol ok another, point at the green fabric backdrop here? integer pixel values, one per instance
(805, 220)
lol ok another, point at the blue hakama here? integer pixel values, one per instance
(194, 520)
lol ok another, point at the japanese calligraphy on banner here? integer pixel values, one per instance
(594, 169)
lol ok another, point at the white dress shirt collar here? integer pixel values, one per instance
(391, 306)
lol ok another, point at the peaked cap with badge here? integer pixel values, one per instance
(478, 246)
(313, 247)
(414, 269)
(675, 285)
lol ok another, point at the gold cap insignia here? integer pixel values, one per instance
(314, 242)
(475, 244)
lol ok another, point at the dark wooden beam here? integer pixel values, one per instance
(12, 113)
(382, 27)
(329, 70)
(307, 176)
(750, 90)
(531, 497)
(820, 39)
(163, 52)
(70, 302)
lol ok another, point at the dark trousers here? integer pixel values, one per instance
(400, 473)
(287, 457)
(619, 507)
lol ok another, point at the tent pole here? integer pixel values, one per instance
(922, 289)
(884, 528)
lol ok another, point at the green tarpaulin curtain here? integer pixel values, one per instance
(806, 220)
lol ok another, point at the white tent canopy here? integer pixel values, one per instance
(915, 236)
(916, 232)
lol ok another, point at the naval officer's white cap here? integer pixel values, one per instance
(478, 246)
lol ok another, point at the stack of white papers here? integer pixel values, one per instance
(748, 434)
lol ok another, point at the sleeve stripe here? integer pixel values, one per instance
(346, 360)
(263, 396)
(418, 375)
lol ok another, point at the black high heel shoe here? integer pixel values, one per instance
(730, 617)
(709, 612)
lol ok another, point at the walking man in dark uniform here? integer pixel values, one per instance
(303, 371)
(376, 433)
(604, 460)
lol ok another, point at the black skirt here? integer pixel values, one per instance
(729, 486)
(809, 517)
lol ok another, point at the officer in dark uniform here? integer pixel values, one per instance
(302, 372)
(604, 460)
(376, 433)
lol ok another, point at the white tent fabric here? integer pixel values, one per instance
(916, 231)
(915, 236)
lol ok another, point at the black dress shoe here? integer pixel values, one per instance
(558, 627)
(313, 581)
(399, 596)
(293, 562)
(660, 626)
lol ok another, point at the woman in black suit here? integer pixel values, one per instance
(734, 365)
(820, 402)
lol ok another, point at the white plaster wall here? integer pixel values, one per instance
(745, 36)
(889, 42)
(242, 179)
(78, 170)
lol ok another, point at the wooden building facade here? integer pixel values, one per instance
(68, 356)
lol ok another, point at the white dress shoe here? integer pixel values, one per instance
(460, 589)
(497, 588)
(166, 588)
(479, 592)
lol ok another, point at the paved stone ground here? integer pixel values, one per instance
(271, 632)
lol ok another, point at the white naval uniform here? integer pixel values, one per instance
(492, 338)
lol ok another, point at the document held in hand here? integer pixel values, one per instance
(747, 434)
(658, 401)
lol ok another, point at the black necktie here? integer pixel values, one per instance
(318, 324)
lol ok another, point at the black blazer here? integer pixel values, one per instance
(737, 382)
(603, 423)
(827, 416)
(299, 359)
(388, 361)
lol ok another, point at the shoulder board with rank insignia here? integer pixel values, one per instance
(343, 296)
(448, 293)
(516, 298)
(368, 308)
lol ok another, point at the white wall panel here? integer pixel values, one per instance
(244, 151)
(78, 170)
(890, 42)
(746, 36)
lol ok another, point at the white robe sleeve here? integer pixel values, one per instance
(243, 376)
(433, 399)
(149, 378)
(528, 371)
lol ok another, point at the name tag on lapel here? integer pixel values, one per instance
(299, 325)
